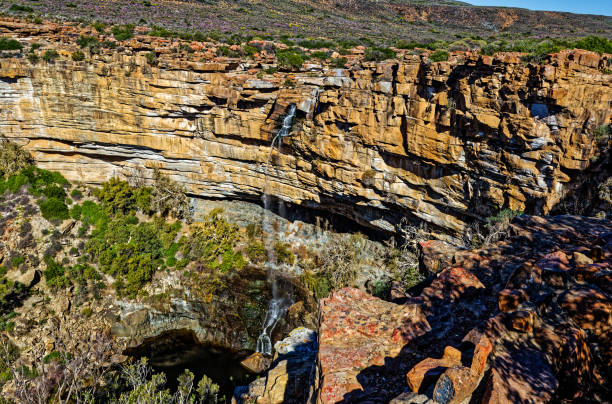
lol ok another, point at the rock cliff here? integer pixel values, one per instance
(439, 142)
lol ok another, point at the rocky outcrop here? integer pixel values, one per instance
(291, 375)
(527, 319)
(438, 142)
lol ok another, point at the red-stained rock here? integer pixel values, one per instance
(436, 255)
(357, 331)
(453, 283)
(426, 371)
(482, 350)
(508, 300)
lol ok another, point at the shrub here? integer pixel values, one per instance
(54, 209)
(256, 251)
(439, 56)
(249, 50)
(603, 133)
(319, 55)
(378, 54)
(76, 194)
(78, 56)
(54, 191)
(212, 240)
(50, 55)
(289, 59)
(10, 44)
(283, 254)
(595, 44)
(168, 197)
(316, 43)
(75, 212)
(338, 63)
(318, 284)
(55, 274)
(99, 26)
(87, 41)
(123, 32)
(118, 196)
(151, 58)
(18, 8)
(410, 44)
(13, 158)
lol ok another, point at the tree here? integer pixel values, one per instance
(169, 197)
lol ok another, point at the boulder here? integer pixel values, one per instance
(359, 331)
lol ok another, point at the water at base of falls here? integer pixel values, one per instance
(280, 302)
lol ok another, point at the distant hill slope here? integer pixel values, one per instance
(379, 21)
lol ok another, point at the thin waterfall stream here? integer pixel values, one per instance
(281, 299)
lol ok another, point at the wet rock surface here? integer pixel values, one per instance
(499, 329)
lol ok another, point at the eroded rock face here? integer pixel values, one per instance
(440, 142)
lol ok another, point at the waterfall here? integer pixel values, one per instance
(280, 302)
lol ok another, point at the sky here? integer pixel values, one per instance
(603, 7)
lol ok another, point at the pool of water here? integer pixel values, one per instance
(175, 351)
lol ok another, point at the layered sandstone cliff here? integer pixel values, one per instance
(441, 142)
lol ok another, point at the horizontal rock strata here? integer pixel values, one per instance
(439, 142)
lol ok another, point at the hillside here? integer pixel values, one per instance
(382, 22)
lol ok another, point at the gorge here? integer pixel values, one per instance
(395, 148)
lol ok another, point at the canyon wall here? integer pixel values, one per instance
(442, 142)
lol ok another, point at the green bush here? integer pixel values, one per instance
(17, 260)
(54, 191)
(319, 55)
(76, 194)
(403, 44)
(603, 133)
(9, 44)
(289, 59)
(54, 209)
(18, 8)
(595, 44)
(78, 56)
(50, 55)
(99, 26)
(151, 58)
(75, 212)
(123, 32)
(283, 254)
(338, 63)
(439, 56)
(55, 274)
(119, 197)
(93, 213)
(379, 54)
(88, 41)
(249, 50)
(256, 251)
(318, 284)
(212, 243)
(316, 43)
(13, 158)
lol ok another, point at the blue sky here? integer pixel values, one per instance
(603, 7)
